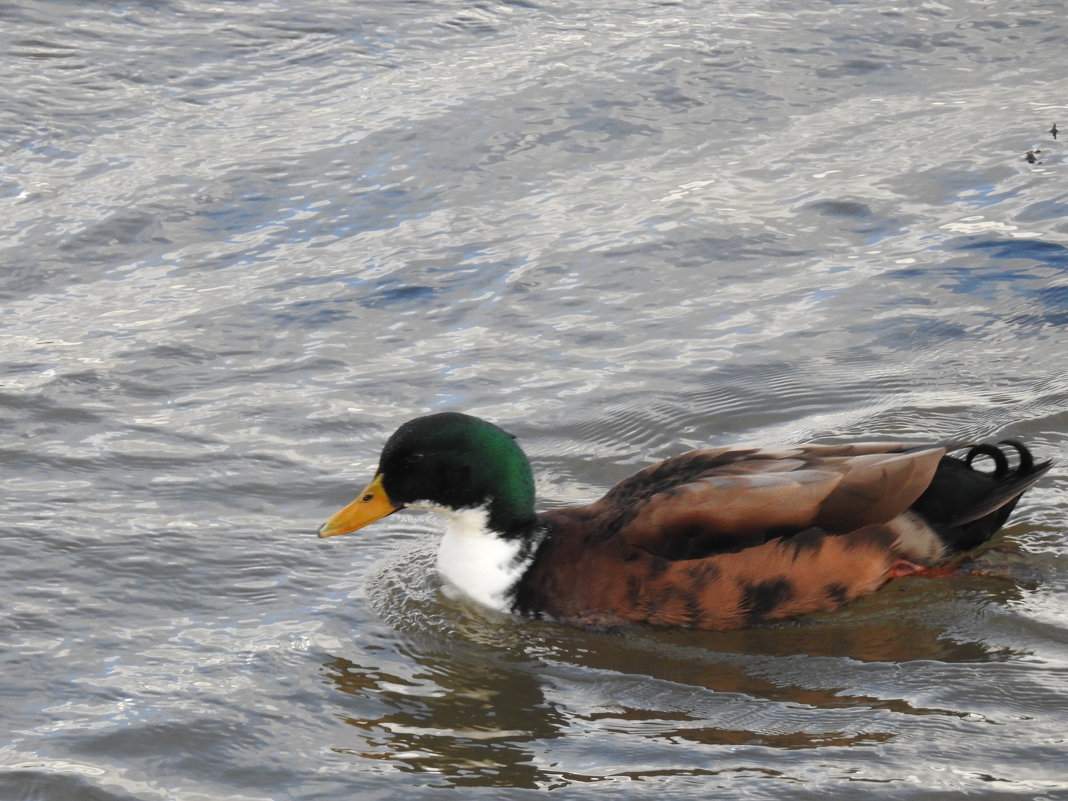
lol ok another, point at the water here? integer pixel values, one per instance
(242, 242)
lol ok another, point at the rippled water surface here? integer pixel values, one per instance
(241, 242)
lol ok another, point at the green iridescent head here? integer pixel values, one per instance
(451, 460)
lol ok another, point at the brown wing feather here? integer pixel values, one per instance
(704, 502)
(875, 488)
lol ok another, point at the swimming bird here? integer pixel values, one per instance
(720, 538)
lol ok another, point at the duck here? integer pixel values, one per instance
(717, 539)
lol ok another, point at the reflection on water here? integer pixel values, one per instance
(469, 716)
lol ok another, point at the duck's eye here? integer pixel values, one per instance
(413, 458)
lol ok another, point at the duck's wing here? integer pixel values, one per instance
(716, 501)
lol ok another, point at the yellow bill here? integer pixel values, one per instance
(370, 505)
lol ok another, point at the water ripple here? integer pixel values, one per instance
(243, 242)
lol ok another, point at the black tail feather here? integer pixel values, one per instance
(965, 506)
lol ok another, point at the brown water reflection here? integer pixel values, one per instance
(468, 717)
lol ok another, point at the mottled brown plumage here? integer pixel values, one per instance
(711, 539)
(722, 539)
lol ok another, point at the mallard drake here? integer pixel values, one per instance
(711, 539)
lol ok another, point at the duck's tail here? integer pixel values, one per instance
(966, 506)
